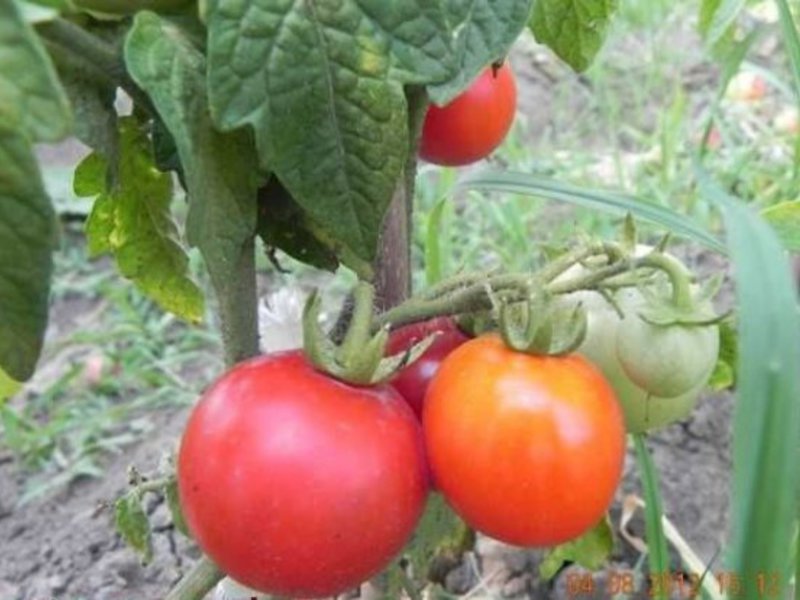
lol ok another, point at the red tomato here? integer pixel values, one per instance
(527, 449)
(474, 124)
(296, 484)
(412, 382)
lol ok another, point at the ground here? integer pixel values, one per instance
(61, 545)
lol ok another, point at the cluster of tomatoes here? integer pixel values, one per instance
(298, 484)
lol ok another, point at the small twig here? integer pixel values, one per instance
(200, 580)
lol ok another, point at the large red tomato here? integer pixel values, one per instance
(412, 382)
(527, 449)
(297, 484)
(474, 124)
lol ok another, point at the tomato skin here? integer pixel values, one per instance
(643, 411)
(412, 382)
(527, 449)
(296, 484)
(474, 123)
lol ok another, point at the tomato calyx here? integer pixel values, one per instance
(360, 358)
(541, 326)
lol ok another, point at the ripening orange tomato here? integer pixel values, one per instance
(526, 449)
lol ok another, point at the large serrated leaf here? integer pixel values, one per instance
(132, 220)
(282, 224)
(321, 84)
(767, 417)
(30, 94)
(591, 550)
(221, 170)
(132, 524)
(484, 31)
(27, 240)
(574, 29)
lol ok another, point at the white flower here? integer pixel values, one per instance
(228, 589)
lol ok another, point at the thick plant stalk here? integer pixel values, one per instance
(238, 308)
(238, 313)
(393, 265)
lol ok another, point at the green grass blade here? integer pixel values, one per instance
(657, 552)
(791, 40)
(533, 185)
(767, 416)
(434, 234)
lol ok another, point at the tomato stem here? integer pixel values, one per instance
(201, 580)
(94, 55)
(679, 277)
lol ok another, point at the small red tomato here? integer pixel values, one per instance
(412, 382)
(527, 449)
(474, 124)
(296, 484)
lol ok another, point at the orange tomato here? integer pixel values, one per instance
(526, 449)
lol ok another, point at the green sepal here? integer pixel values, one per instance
(360, 358)
(541, 326)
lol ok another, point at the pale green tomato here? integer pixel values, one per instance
(666, 360)
(643, 411)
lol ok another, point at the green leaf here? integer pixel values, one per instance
(484, 31)
(91, 176)
(27, 240)
(590, 551)
(724, 375)
(30, 94)
(716, 16)
(132, 524)
(174, 504)
(574, 29)
(221, 170)
(657, 552)
(767, 418)
(543, 187)
(132, 221)
(283, 224)
(321, 84)
(8, 386)
(439, 532)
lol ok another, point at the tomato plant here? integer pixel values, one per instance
(298, 484)
(470, 127)
(527, 449)
(412, 382)
(129, 7)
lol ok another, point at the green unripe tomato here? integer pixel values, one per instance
(643, 411)
(129, 7)
(666, 360)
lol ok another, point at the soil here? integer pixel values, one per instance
(64, 546)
